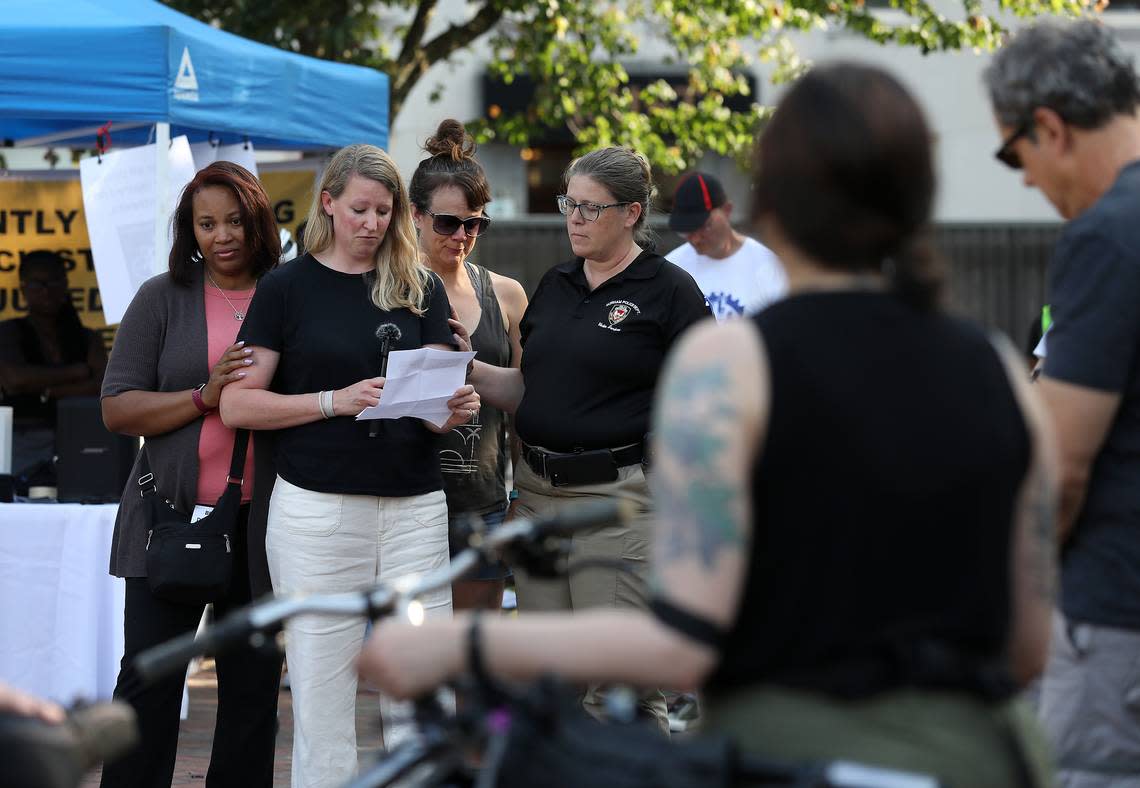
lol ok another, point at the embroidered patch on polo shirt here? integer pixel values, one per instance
(619, 311)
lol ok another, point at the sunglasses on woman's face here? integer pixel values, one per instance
(447, 224)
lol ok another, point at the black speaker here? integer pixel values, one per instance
(92, 464)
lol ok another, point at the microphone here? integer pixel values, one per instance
(388, 334)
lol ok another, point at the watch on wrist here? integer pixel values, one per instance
(196, 396)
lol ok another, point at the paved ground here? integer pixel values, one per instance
(197, 733)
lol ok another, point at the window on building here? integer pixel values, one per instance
(546, 158)
(544, 166)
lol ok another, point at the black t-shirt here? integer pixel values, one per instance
(323, 323)
(591, 359)
(19, 344)
(1094, 341)
(883, 503)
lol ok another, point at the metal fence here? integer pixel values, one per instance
(995, 273)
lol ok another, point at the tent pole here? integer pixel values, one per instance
(162, 188)
(80, 134)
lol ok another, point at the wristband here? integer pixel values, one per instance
(325, 403)
(475, 665)
(196, 397)
(513, 495)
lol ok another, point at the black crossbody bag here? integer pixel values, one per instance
(193, 563)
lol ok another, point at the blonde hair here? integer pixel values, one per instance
(402, 282)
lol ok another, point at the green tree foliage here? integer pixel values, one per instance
(574, 50)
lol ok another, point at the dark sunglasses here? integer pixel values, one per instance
(447, 224)
(1006, 154)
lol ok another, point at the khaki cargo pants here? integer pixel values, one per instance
(600, 587)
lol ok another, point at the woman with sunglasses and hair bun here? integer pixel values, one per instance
(449, 193)
(594, 338)
(354, 502)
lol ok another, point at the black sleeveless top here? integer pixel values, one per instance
(473, 457)
(883, 504)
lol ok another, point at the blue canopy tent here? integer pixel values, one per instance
(69, 66)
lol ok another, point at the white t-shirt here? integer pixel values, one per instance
(741, 284)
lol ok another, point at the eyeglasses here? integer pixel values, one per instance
(1006, 154)
(447, 224)
(590, 211)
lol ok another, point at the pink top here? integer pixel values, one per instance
(216, 443)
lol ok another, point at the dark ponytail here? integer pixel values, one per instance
(916, 274)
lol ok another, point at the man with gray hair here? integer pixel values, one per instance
(1065, 98)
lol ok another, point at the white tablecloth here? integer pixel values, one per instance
(61, 614)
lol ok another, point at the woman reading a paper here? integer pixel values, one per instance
(347, 508)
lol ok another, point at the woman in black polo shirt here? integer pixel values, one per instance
(594, 338)
(856, 492)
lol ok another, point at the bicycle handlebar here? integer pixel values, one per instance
(266, 618)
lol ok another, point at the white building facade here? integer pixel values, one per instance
(973, 186)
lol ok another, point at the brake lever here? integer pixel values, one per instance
(547, 559)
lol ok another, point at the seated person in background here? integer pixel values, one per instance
(45, 356)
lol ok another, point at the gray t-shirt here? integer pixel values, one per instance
(1094, 284)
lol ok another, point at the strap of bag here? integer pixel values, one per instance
(237, 462)
(146, 481)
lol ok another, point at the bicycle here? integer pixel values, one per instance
(507, 725)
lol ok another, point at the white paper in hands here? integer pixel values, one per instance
(419, 383)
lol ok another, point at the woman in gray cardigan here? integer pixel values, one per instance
(173, 354)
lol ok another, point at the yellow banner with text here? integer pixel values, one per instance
(48, 214)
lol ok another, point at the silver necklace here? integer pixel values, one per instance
(237, 315)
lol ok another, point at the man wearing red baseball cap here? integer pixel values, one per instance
(737, 274)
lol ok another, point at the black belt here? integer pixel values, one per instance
(582, 467)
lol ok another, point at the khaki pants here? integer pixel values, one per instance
(600, 587)
(327, 543)
(964, 742)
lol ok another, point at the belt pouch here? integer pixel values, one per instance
(584, 467)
